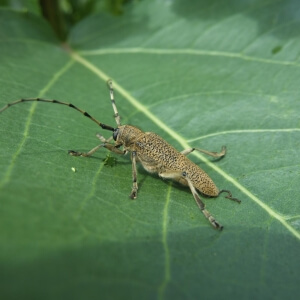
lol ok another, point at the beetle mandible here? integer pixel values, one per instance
(155, 155)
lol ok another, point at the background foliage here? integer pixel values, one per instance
(202, 73)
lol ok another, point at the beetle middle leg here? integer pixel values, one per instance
(133, 193)
(213, 154)
(182, 176)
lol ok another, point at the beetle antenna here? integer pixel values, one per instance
(113, 103)
(103, 126)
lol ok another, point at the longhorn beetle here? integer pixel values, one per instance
(154, 153)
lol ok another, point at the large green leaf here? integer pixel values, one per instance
(198, 73)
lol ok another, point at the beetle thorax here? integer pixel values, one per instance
(128, 135)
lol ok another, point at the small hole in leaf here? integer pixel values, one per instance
(276, 49)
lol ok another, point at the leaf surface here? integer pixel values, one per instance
(202, 74)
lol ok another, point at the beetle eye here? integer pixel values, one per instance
(115, 134)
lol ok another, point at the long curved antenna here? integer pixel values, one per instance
(112, 99)
(106, 127)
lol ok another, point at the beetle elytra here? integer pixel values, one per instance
(154, 153)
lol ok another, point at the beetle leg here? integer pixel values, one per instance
(92, 151)
(105, 144)
(229, 196)
(133, 193)
(213, 154)
(176, 175)
(103, 139)
(201, 205)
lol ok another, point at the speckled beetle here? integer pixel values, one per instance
(154, 153)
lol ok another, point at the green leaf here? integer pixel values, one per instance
(200, 74)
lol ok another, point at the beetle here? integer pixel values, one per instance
(154, 153)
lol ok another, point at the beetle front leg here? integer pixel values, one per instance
(85, 154)
(105, 144)
(133, 193)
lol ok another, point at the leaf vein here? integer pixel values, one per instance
(15, 155)
(186, 51)
(167, 273)
(289, 130)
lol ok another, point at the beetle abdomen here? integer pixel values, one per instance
(157, 156)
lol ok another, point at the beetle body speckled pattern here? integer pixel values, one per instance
(158, 156)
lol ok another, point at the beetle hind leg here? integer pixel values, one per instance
(201, 205)
(176, 175)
